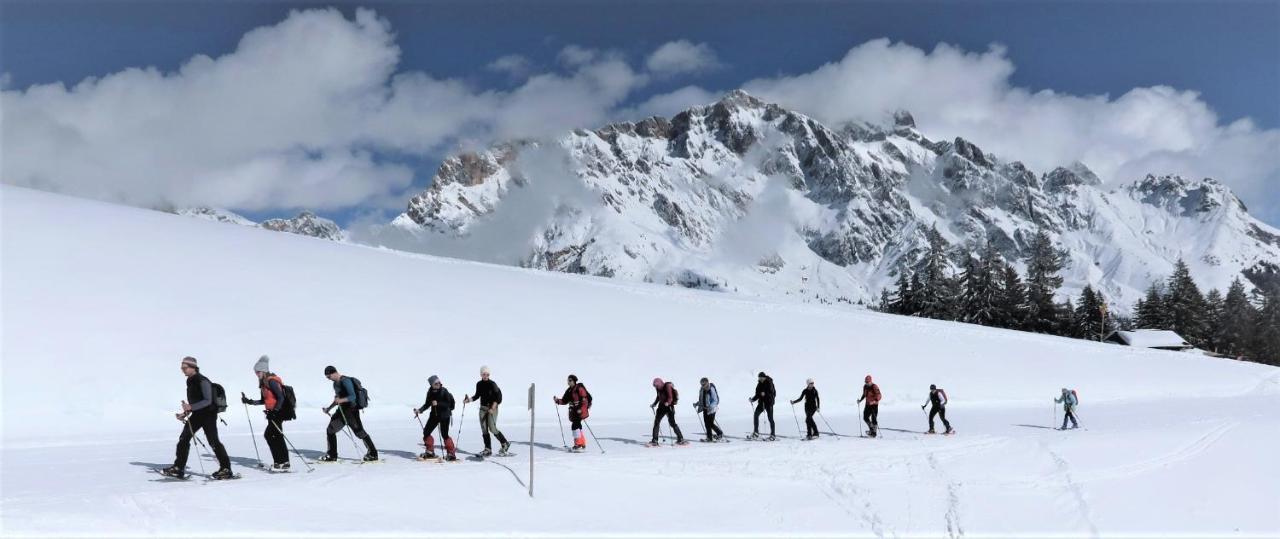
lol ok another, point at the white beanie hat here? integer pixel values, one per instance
(484, 369)
(261, 365)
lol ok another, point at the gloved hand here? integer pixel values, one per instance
(922, 406)
(244, 399)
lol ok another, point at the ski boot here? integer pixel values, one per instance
(174, 472)
(370, 457)
(223, 473)
(754, 436)
(327, 458)
(486, 453)
(427, 456)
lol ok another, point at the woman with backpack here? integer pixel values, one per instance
(665, 405)
(579, 401)
(276, 405)
(708, 404)
(1069, 401)
(441, 403)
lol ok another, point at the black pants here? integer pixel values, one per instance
(870, 414)
(941, 412)
(710, 421)
(347, 417)
(1070, 414)
(761, 407)
(208, 421)
(810, 425)
(275, 440)
(432, 423)
(670, 414)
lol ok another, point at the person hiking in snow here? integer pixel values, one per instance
(811, 405)
(441, 402)
(871, 413)
(345, 398)
(708, 404)
(490, 396)
(764, 397)
(938, 398)
(1069, 402)
(578, 399)
(665, 405)
(199, 412)
(272, 392)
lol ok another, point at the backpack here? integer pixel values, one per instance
(1075, 399)
(675, 395)
(590, 399)
(362, 396)
(289, 411)
(219, 398)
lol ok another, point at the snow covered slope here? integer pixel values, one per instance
(745, 196)
(97, 310)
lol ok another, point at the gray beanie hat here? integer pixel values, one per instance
(261, 365)
(433, 379)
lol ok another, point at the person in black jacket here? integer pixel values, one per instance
(938, 398)
(198, 413)
(440, 401)
(490, 396)
(271, 388)
(811, 405)
(665, 405)
(764, 397)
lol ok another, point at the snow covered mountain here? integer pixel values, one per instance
(305, 224)
(746, 196)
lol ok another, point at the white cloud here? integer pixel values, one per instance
(514, 65)
(574, 55)
(671, 103)
(294, 117)
(952, 92)
(682, 56)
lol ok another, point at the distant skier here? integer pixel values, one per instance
(347, 399)
(272, 398)
(1069, 401)
(198, 413)
(708, 404)
(441, 403)
(764, 397)
(578, 399)
(938, 398)
(811, 405)
(871, 413)
(490, 396)
(665, 404)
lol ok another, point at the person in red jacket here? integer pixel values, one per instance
(579, 401)
(665, 405)
(870, 393)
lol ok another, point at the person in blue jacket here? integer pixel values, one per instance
(344, 398)
(708, 403)
(1069, 402)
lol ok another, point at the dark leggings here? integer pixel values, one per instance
(941, 412)
(275, 441)
(809, 424)
(710, 421)
(346, 417)
(670, 414)
(870, 414)
(760, 407)
(432, 423)
(208, 421)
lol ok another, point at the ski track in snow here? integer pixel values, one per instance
(1073, 488)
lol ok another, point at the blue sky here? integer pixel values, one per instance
(1227, 52)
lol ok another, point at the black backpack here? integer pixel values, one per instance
(362, 396)
(219, 398)
(289, 411)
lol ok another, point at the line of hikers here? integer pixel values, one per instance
(205, 400)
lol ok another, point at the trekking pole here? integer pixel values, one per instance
(251, 437)
(290, 442)
(347, 430)
(825, 422)
(860, 435)
(654, 414)
(593, 435)
(199, 458)
(1055, 414)
(462, 421)
(795, 417)
(563, 441)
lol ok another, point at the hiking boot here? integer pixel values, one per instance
(223, 473)
(427, 456)
(370, 457)
(328, 458)
(450, 458)
(506, 447)
(682, 441)
(280, 467)
(173, 471)
(771, 438)
(754, 436)
(486, 453)
(931, 431)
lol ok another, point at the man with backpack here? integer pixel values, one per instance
(490, 396)
(766, 393)
(199, 412)
(811, 405)
(349, 397)
(938, 398)
(278, 409)
(665, 405)
(579, 400)
(1069, 400)
(441, 403)
(708, 404)
(870, 414)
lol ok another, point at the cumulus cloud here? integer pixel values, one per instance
(953, 92)
(682, 56)
(299, 115)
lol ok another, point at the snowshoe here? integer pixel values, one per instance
(371, 457)
(327, 458)
(486, 453)
(280, 467)
(502, 453)
(653, 443)
(450, 458)
(949, 432)
(682, 442)
(578, 449)
(223, 473)
(871, 433)
(931, 431)
(753, 436)
(172, 471)
(427, 456)
(771, 438)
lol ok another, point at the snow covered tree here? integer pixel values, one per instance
(1043, 264)
(1184, 306)
(979, 288)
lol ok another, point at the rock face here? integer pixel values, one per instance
(307, 224)
(748, 197)
(214, 214)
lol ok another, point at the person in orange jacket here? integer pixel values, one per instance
(870, 393)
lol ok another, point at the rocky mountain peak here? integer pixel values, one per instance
(307, 224)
